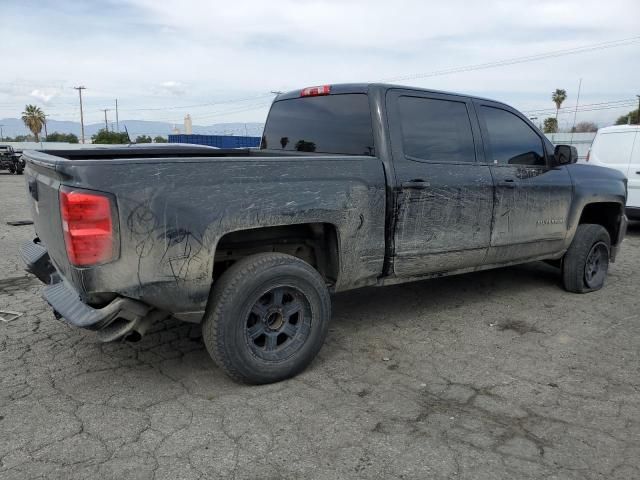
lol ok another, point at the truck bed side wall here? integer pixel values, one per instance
(173, 213)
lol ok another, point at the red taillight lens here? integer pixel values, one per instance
(316, 91)
(87, 225)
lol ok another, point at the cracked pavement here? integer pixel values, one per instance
(492, 375)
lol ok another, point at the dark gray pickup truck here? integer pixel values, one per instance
(353, 185)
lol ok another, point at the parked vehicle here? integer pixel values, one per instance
(354, 185)
(619, 147)
(11, 160)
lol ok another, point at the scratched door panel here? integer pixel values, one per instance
(536, 206)
(532, 198)
(447, 225)
(444, 197)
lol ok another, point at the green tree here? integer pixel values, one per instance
(106, 137)
(33, 118)
(62, 137)
(631, 117)
(20, 138)
(143, 139)
(583, 127)
(550, 125)
(558, 97)
(159, 139)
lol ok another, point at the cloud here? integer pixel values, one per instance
(172, 87)
(43, 95)
(150, 54)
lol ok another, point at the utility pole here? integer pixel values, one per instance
(117, 120)
(46, 134)
(575, 112)
(106, 123)
(80, 88)
(1, 138)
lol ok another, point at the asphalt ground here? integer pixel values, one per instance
(493, 375)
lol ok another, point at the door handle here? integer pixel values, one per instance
(416, 184)
(507, 183)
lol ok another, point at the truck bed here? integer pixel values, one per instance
(175, 204)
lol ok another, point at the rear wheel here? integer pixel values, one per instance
(586, 263)
(267, 318)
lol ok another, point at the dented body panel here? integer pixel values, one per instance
(172, 214)
(382, 217)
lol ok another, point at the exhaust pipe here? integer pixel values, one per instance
(131, 330)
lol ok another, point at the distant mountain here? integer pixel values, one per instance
(14, 126)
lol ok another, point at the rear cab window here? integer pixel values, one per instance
(435, 130)
(334, 124)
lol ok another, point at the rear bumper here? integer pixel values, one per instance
(65, 300)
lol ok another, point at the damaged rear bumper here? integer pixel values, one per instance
(116, 319)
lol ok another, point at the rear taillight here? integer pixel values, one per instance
(87, 224)
(316, 91)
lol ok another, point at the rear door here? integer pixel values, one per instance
(613, 149)
(633, 174)
(444, 193)
(532, 198)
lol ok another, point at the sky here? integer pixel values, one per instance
(220, 61)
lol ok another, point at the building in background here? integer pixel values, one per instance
(219, 141)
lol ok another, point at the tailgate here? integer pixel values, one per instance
(43, 184)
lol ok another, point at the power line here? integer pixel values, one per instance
(583, 108)
(611, 102)
(516, 60)
(197, 105)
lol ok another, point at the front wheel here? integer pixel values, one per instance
(267, 318)
(586, 263)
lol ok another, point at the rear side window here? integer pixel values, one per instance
(324, 124)
(436, 130)
(511, 141)
(614, 148)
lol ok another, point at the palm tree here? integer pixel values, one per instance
(558, 97)
(33, 118)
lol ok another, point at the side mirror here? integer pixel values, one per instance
(565, 154)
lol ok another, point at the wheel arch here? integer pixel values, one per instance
(607, 214)
(317, 243)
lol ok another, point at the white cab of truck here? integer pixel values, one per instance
(618, 147)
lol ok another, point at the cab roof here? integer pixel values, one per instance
(342, 88)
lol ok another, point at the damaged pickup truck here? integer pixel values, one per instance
(353, 185)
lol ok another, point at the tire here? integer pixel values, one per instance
(267, 318)
(585, 265)
(19, 171)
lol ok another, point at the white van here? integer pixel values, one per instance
(619, 147)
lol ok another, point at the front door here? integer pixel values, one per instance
(532, 198)
(444, 194)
